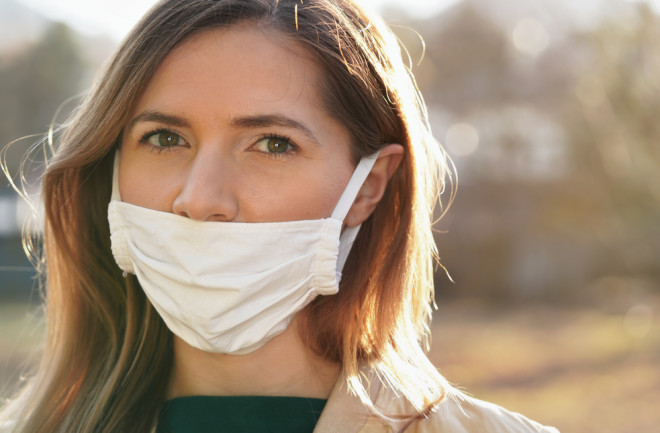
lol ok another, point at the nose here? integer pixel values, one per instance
(207, 192)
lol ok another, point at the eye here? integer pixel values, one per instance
(162, 138)
(274, 144)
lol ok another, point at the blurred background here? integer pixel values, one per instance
(548, 109)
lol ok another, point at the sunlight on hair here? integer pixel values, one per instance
(462, 139)
(530, 36)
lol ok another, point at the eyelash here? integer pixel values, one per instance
(144, 140)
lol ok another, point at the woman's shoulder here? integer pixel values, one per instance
(459, 413)
(391, 412)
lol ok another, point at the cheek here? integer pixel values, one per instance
(315, 196)
(301, 195)
(144, 186)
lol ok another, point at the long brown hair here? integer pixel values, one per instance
(108, 355)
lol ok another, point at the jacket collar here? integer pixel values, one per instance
(344, 412)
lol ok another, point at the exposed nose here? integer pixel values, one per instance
(207, 193)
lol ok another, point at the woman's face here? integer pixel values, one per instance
(232, 128)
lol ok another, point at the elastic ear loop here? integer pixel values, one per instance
(115, 178)
(344, 205)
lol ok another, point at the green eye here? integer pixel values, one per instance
(165, 139)
(274, 145)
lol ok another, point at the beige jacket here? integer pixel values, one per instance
(345, 413)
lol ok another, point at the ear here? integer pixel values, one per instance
(374, 186)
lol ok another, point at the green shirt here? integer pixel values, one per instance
(207, 414)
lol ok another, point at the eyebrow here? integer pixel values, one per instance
(156, 116)
(266, 120)
(243, 122)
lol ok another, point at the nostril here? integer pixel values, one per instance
(218, 218)
(222, 207)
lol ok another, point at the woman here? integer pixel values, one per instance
(200, 211)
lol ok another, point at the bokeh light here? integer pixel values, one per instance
(462, 139)
(530, 36)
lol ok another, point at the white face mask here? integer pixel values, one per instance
(228, 287)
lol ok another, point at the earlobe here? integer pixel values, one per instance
(374, 186)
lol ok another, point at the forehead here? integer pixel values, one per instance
(244, 64)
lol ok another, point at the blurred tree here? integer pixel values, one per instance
(563, 190)
(466, 62)
(611, 117)
(33, 84)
